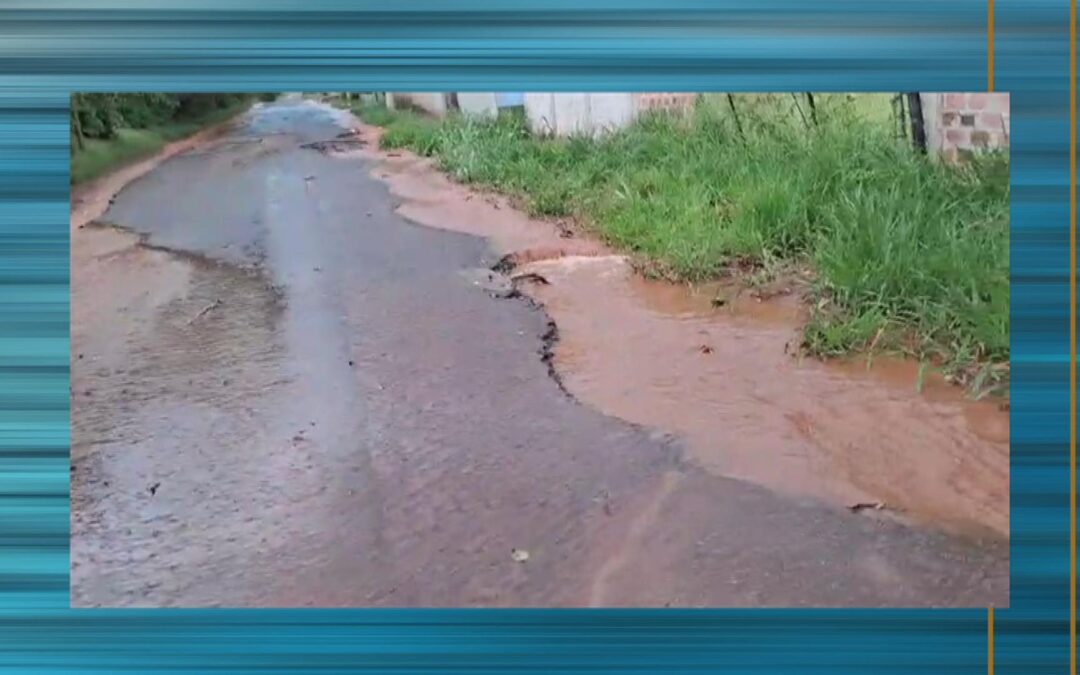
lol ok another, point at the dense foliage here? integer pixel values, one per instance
(101, 115)
(111, 129)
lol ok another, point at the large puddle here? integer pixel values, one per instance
(726, 378)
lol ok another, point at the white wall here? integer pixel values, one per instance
(559, 114)
(481, 105)
(540, 113)
(931, 110)
(574, 114)
(611, 111)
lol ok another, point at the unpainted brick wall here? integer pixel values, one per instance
(959, 124)
(665, 101)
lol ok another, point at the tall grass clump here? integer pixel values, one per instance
(906, 253)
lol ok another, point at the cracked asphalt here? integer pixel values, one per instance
(286, 394)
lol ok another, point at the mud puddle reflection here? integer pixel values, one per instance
(663, 355)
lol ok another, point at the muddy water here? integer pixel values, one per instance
(172, 357)
(724, 378)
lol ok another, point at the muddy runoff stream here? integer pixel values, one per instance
(726, 378)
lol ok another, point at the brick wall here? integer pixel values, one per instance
(958, 124)
(665, 101)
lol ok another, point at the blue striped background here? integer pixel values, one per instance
(49, 48)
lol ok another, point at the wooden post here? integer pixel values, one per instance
(735, 114)
(918, 124)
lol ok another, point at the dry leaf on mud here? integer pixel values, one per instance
(519, 555)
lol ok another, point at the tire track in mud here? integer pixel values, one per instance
(644, 519)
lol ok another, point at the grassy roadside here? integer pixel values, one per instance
(99, 156)
(902, 254)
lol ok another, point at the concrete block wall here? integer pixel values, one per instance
(958, 124)
(610, 111)
(571, 114)
(481, 105)
(560, 114)
(593, 114)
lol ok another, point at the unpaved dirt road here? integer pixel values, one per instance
(286, 394)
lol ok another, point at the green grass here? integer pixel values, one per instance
(100, 156)
(906, 254)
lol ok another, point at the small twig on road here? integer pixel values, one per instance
(204, 311)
